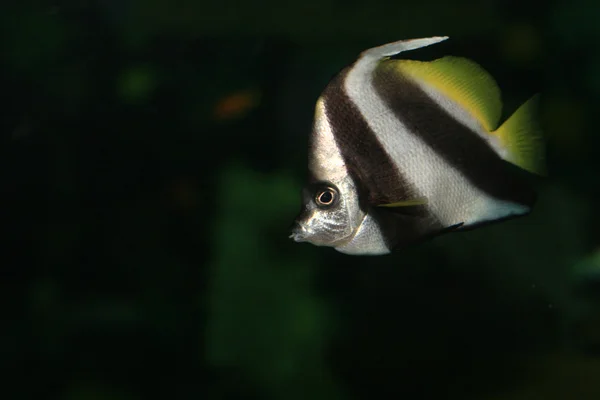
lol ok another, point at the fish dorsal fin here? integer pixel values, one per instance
(394, 48)
(470, 86)
(523, 139)
(406, 203)
(463, 81)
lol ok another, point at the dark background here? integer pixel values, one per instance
(152, 158)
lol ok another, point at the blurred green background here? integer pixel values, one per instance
(152, 159)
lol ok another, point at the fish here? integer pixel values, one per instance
(402, 151)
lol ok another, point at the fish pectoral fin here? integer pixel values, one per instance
(463, 81)
(406, 203)
(523, 138)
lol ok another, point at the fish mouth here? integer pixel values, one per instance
(298, 232)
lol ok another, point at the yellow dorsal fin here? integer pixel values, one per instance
(406, 203)
(522, 137)
(463, 81)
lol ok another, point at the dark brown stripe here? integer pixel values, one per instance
(373, 171)
(457, 144)
(368, 163)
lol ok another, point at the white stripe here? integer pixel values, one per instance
(368, 240)
(326, 161)
(451, 198)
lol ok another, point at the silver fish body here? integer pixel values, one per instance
(397, 155)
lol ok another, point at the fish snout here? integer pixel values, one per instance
(298, 232)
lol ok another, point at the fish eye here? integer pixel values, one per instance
(325, 197)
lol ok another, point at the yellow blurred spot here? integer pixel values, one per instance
(236, 105)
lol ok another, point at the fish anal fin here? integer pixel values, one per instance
(523, 138)
(463, 81)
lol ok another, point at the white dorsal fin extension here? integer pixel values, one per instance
(391, 49)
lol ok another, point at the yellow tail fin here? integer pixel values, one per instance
(522, 136)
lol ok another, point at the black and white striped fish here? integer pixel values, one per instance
(404, 150)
